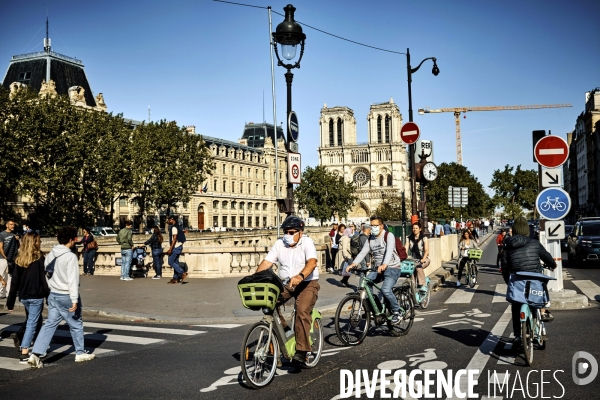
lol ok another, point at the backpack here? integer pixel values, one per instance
(355, 244)
(50, 266)
(400, 250)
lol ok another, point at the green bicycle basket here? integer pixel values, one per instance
(258, 295)
(475, 254)
(407, 267)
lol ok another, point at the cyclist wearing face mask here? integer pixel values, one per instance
(297, 257)
(385, 257)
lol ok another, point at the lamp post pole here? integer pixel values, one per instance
(411, 148)
(288, 34)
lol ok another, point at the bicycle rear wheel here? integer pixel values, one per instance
(316, 338)
(472, 274)
(352, 320)
(259, 356)
(527, 338)
(407, 311)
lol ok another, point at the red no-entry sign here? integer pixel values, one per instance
(409, 133)
(551, 151)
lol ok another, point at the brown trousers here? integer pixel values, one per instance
(306, 294)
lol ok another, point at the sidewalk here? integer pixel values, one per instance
(195, 301)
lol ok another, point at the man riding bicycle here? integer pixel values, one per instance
(297, 257)
(521, 253)
(385, 257)
(500, 243)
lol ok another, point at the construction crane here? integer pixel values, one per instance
(458, 110)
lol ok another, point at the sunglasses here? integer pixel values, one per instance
(290, 232)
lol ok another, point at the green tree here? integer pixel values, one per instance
(324, 194)
(390, 209)
(453, 174)
(514, 189)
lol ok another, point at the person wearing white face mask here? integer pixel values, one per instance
(297, 256)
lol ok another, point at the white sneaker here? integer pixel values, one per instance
(127, 279)
(34, 361)
(84, 357)
(121, 278)
(457, 283)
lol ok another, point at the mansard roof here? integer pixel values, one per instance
(229, 144)
(33, 68)
(255, 136)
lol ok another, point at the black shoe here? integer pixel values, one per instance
(298, 360)
(547, 317)
(24, 358)
(344, 282)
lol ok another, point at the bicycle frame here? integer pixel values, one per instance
(287, 344)
(417, 296)
(364, 286)
(534, 320)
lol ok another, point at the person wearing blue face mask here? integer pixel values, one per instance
(297, 256)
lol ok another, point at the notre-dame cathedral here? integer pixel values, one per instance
(378, 167)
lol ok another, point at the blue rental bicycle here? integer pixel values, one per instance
(420, 297)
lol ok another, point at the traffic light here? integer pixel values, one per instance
(537, 135)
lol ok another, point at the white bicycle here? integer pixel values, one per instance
(555, 204)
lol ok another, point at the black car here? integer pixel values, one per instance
(564, 243)
(584, 242)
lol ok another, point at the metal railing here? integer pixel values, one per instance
(44, 53)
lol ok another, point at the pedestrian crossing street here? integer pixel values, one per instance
(465, 294)
(96, 336)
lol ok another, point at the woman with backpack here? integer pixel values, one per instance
(418, 248)
(29, 279)
(155, 243)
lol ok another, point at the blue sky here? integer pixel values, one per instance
(207, 64)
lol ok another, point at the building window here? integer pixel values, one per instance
(264, 222)
(25, 77)
(242, 204)
(257, 222)
(256, 173)
(233, 221)
(249, 222)
(233, 204)
(232, 170)
(250, 206)
(331, 141)
(264, 206)
(216, 205)
(380, 180)
(215, 186)
(257, 190)
(224, 224)
(215, 220)
(241, 187)
(224, 205)
(241, 170)
(232, 186)
(379, 129)
(123, 202)
(248, 172)
(223, 168)
(241, 222)
(387, 129)
(274, 190)
(389, 180)
(264, 190)
(250, 188)
(361, 177)
(264, 174)
(340, 125)
(224, 186)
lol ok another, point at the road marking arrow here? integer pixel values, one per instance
(552, 232)
(553, 179)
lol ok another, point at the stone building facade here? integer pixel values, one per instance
(378, 167)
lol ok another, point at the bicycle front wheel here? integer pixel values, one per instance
(352, 320)
(316, 340)
(527, 338)
(407, 312)
(472, 275)
(425, 300)
(259, 356)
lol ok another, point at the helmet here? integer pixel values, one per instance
(293, 222)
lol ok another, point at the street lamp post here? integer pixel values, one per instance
(289, 35)
(411, 152)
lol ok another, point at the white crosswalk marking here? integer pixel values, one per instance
(500, 293)
(589, 288)
(223, 326)
(12, 364)
(149, 329)
(462, 295)
(105, 337)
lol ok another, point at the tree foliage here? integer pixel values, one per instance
(74, 163)
(514, 189)
(390, 209)
(324, 194)
(453, 174)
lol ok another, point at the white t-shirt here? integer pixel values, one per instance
(486, 223)
(293, 259)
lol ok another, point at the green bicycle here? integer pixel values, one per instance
(267, 340)
(354, 312)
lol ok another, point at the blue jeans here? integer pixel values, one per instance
(58, 310)
(88, 261)
(126, 256)
(33, 308)
(157, 261)
(390, 277)
(174, 262)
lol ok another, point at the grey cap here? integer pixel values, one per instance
(366, 226)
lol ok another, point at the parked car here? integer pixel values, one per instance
(584, 242)
(564, 243)
(103, 231)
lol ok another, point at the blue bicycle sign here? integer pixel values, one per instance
(553, 203)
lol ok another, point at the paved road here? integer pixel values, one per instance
(461, 329)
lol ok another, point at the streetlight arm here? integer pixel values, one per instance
(413, 70)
